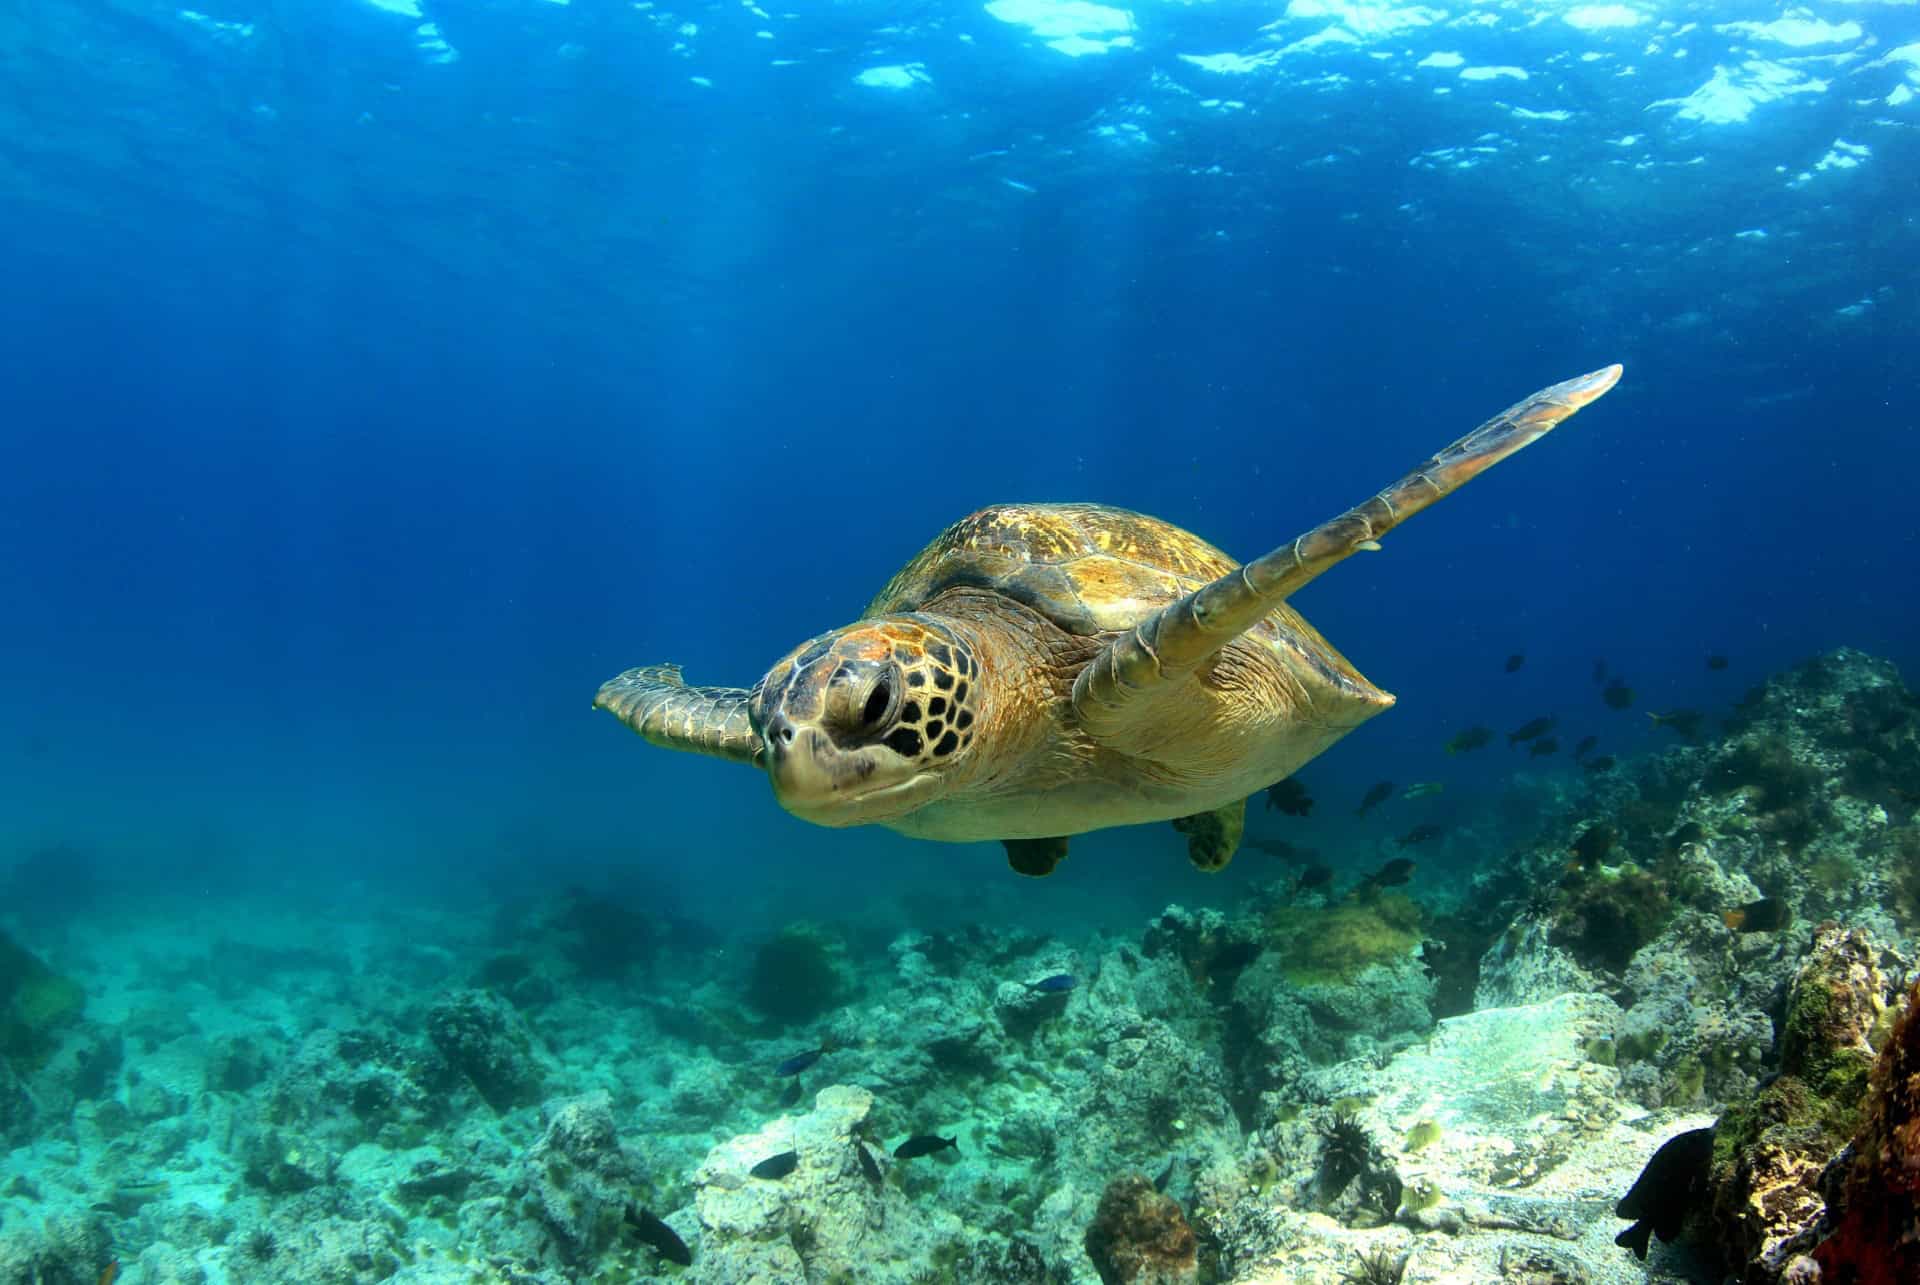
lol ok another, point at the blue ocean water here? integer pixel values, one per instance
(380, 377)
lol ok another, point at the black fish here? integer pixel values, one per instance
(1054, 985)
(1585, 747)
(1672, 1185)
(1769, 914)
(665, 1240)
(868, 1165)
(1398, 870)
(1166, 1175)
(924, 1144)
(792, 1095)
(1530, 729)
(1594, 843)
(1617, 695)
(1545, 745)
(1471, 739)
(1515, 661)
(1380, 793)
(1419, 834)
(1290, 797)
(1291, 853)
(776, 1166)
(1314, 876)
(1690, 832)
(1716, 661)
(1684, 721)
(801, 1061)
(1599, 672)
(1602, 764)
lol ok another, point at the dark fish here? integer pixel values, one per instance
(1769, 914)
(1544, 746)
(1686, 722)
(1166, 1175)
(111, 1273)
(1292, 853)
(1599, 672)
(1380, 793)
(792, 1095)
(1716, 661)
(1290, 797)
(1585, 747)
(1314, 876)
(801, 1061)
(1471, 739)
(1689, 833)
(1515, 661)
(1594, 843)
(1053, 985)
(1398, 870)
(868, 1165)
(776, 1166)
(924, 1144)
(1419, 834)
(1530, 729)
(1672, 1185)
(1602, 764)
(665, 1241)
(1617, 695)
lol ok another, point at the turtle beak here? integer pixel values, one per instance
(820, 782)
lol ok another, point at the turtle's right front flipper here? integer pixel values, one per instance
(654, 702)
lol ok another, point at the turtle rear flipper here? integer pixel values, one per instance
(654, 702)
(1111, 694)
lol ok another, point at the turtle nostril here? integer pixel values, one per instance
(786, 734)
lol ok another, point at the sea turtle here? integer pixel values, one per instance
(1041, 670)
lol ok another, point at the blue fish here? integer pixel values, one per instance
(1053, 985)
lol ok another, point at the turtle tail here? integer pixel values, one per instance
(1181, 635)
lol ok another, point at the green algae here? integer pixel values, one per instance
(1603, 920)
(797, 974)
(1423, 1134)
(35, 1002)
(1335, 944)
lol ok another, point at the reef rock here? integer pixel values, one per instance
(824, 1218)
(1140, 1237)
(483, 1036)
(579, 1177)
(1875, 1190)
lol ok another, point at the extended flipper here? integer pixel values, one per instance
(654, 702)
(1213, 837)
(1171, 643)
(1035, 857)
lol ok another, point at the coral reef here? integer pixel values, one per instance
(1140, 1237)
(798, 974)
(579, 1179)
(1874, 1189)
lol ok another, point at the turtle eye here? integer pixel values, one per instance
(879, 701)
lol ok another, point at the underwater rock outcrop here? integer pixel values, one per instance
(1140, 1237)
(579, 1179)
(486, 1039)
(1874, 1189)
(1771, 1148)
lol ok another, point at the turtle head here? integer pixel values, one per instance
(867, 723)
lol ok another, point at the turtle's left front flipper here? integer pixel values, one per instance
(654, 702)
(1113, 692)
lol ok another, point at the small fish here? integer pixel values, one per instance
(1421, 789)
(1531, 729)
(792, 1094)
(1419, 834)
(1585, 747)
(1685, 835)
(1314, 876)
(1616, 695)
(1398, 870)
(1673, 1183)
(665, 1240)
(1380, 793)
(1290, 797)
(1599, 672)
(1054, 985)
(1291, 853)
(801, 1061)
(1471, 739)
(1166, 1175)
(1544, 746)
(1594, 843)
(1515, 661)
(776, 1166)
(1602, 764)
(112, 1272)
(1716, 661)
(924, 1144)
(1686, 722)
(868, 1165)
(1769, 914)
